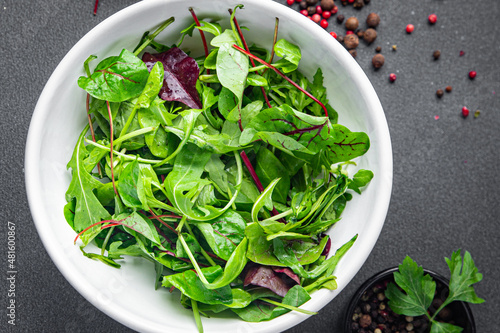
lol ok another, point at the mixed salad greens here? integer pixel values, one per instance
(223, 170)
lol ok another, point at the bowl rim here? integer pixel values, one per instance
(387, 273)
(33, 188)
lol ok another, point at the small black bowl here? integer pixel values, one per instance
(461, 310)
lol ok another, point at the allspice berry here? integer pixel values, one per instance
(358, 4)
(351, 41)
(436, 55)
(370, 35)
(378, 61)
(311, 2)
(327, 5)
(351, 23)
(439, 93)
(373, 20)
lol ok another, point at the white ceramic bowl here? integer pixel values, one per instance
(128, 294)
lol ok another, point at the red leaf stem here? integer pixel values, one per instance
(277, 71)
(251, 60)
(201, 33)
(255, 178)
(92, 130)
(95, 6)
(111, 147)
(162, 222)
(250, 168)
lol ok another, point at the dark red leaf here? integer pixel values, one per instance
(264, 276)
(287, 271)
(181, 73)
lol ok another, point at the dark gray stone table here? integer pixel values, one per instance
(446, 171)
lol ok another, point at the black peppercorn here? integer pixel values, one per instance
(303, 4)
(360, 33)
(311, 10)
(340, 39)
(378, 49)
(354, 53)
(311, 2)
(358, 4)
(365, 321)
(439, 93)
(448, 89)
(340, 18)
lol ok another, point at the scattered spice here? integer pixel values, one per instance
(461, 54)
(448, 89)
(327, 5)
(432, 18)
(410, 28)
(465, 112)
(370, 35)
(351, 23)
(358, 4)
(436, 54)
(373, 20)
(472, 75)
(436, 117)
(378, 61)
(477, 113)
(340, 18)
(392, 77)
(394, 47)
(333, 34)
(439, 93)
(378, 49)
(351, 41)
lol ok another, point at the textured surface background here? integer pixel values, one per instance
(446, 172)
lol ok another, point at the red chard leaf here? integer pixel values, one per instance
(181, 73)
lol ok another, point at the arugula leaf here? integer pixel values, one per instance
(117, 78)
(290, 53)
(87, 208)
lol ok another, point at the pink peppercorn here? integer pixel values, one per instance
(461, 54)
(392, 77)
(465, 112)
(324, 23)
(351, 1)
(319, 10)
(290, 2)
(304, 12)
(333, 34)
(334, 10)
(349, 32)
(472, 75)
(326, 15)
(433, 18)
(410, 28)
(316, 18)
